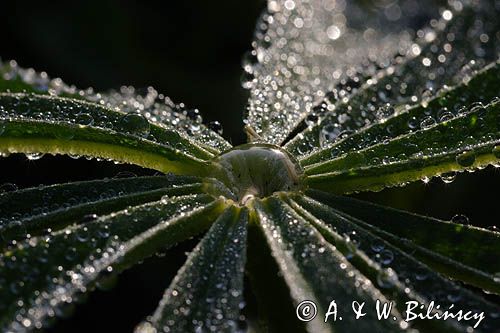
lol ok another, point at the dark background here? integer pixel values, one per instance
(191, 51)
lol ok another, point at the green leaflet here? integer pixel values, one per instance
(43, 273)
(463, 252)
(400, 275)
(157, 109)
(207, 293)
(315, 270)
(32, 211)
(482, 88)
(465, 142)
(34, 124)
(409, 79)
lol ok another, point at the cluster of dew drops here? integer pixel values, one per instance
(140, 108)
(287, 77)
(310, 57)
(303, 49)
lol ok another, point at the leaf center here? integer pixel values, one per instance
(258, 170)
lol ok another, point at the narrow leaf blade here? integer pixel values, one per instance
(443, 107)
(466, 142)
(154, 106)
(34, 210)
(44, 124)
(207, 293)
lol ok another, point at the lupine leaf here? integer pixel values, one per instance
(33, 210)
(461, 251)
(207, 293)
(43, 124)
(352, 94)
(316, 271)
(266, 283)
(41, 274)
(465, 142)
(482, 88)
(400, 274)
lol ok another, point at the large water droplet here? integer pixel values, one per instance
(448, 177)
(329, 133)
(34, 156)
(460, 219)
(84, 119)
(466, 158)
(427, 122)
(496, 151)
(136, 124)
(8, 187)
(386, 257)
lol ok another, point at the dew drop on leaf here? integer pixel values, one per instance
(466, 159)
(460, 219)
(413, 123)
(84, 119)
(427, 122)
(496, 151)
(34, 156)
(145, 327)
(385, 257)
(64, 134)
(135, 124)
(8, 187)
(448, 177)
(421, 274)
(377, 246)
(329, 133)
(445, 116)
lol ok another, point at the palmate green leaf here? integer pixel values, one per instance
(481, 88)
(207, 293)
(42, 274)
(446, 55)
(150, 104)
(463, 252)
(316, 271)
(468, 141)
(397, 272)
(43, 124)
(61, 241)
(34, 210)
